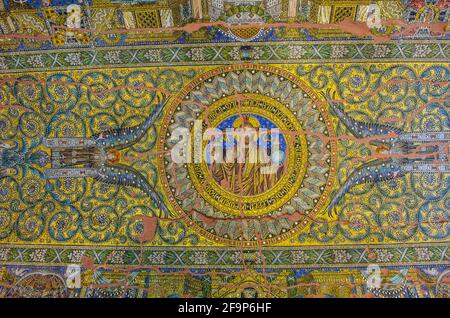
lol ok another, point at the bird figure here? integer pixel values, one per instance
(399, 153)
(98, 157)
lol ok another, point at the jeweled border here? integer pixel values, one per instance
(230, 257)
(218, 53)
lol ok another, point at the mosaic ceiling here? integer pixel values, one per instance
(120, 168)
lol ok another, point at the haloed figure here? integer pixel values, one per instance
(245, 174)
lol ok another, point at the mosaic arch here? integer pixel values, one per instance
(89, 120)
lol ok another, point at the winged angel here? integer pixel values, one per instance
(400, 152)
(97, 157)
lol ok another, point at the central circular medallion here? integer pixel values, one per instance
(258, 154)
(257, 182)
(248, 178)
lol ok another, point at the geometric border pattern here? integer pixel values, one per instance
(269, 257)
(294, 51)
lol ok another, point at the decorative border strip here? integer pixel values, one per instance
(204, 257)
(287, 52)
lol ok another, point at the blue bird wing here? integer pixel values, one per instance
(358, 128)
(127, 176)
(372, 171)
(125, 137)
